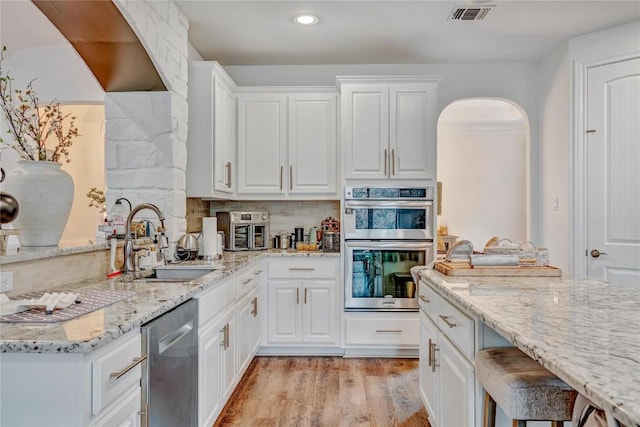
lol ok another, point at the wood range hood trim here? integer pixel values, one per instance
(106, 42)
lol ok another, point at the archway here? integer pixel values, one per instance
(483, 146)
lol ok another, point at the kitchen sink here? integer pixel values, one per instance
(185, 271)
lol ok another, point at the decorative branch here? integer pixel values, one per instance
(32, 125)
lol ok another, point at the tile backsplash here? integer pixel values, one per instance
(285, 215)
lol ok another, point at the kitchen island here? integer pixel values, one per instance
(585, 331)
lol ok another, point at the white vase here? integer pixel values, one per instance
(45, 195)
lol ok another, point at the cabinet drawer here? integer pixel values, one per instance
(123, 360)
(458, 327)
(395, 332)
(303, 268)
(429, 301)
(249, 280)
(214, 301)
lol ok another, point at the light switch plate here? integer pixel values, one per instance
(6, 281)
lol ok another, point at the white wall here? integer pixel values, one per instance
(553, 88)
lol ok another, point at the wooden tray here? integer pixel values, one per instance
(465, 269)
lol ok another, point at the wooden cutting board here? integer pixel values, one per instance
(465, 269)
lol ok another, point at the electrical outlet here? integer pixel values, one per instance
(6, 281)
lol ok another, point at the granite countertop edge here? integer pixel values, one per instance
(150, 302)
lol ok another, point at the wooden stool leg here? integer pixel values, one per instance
(519, 423)
(489, 419)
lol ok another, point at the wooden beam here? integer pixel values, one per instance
(105, 41)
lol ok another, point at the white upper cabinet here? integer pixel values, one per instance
(389, 127)
(211, 137)
(287, 145)
(262, 143)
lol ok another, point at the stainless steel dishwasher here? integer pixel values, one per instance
(170, 378)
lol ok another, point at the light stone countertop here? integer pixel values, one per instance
(585, 331)
(88, 332)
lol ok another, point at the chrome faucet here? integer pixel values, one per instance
(128, 244)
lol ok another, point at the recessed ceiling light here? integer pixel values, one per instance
(305, 19)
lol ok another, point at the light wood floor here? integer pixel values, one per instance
(326, 391)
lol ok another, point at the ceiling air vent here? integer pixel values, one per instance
(470, 13)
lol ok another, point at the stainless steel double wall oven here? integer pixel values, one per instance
(387, 231)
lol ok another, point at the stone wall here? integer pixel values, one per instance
(146, 132)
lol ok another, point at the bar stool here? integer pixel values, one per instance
(522, 387)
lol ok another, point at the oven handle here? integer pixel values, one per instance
(388, 204)
(387, 244)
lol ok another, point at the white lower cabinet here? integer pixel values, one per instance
(302, 302)
(447, 378)
(228, 338)
(74, 389)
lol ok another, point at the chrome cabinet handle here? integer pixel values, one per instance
(385, 161)
(297, 295)
(393, 161)
(434, 364)
(388, 331)
(301, 268)
(596, 253)
(305, 295)
(424, 299)
(290, 177)
(281, 177)
(136, 361)
(446, 320)
(244, 282)
(430, 353)
(254, 311)
(228, 168)
(257, 272)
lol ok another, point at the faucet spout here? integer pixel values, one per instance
(128, 244)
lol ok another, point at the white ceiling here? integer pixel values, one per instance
(243, 32)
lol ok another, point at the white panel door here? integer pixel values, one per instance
(457, 383)
(428, 376)
(365, 131)
(613, 172)
(412, 132)
(284, 312)
(262, 139)
(320, 311)
(312, 147)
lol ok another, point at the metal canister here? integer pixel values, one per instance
(284, 241)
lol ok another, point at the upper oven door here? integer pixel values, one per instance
(388, 219)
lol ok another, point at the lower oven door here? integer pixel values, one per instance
(378, 276)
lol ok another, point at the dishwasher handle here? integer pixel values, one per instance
(173, 337)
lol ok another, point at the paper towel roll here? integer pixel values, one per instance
(209, 237)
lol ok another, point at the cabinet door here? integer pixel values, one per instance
(312, 148)
(284, 312)
(245, 333)
(228, 371)
(365, 131)
(457, 382)
(209, 387)
(320, 311)
(428, 376)
(224, 146)
(256, 319)
(211, 135)
(261, 144)
(412, 131)
(125, 413)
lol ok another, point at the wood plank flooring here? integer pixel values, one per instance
(326, 391)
